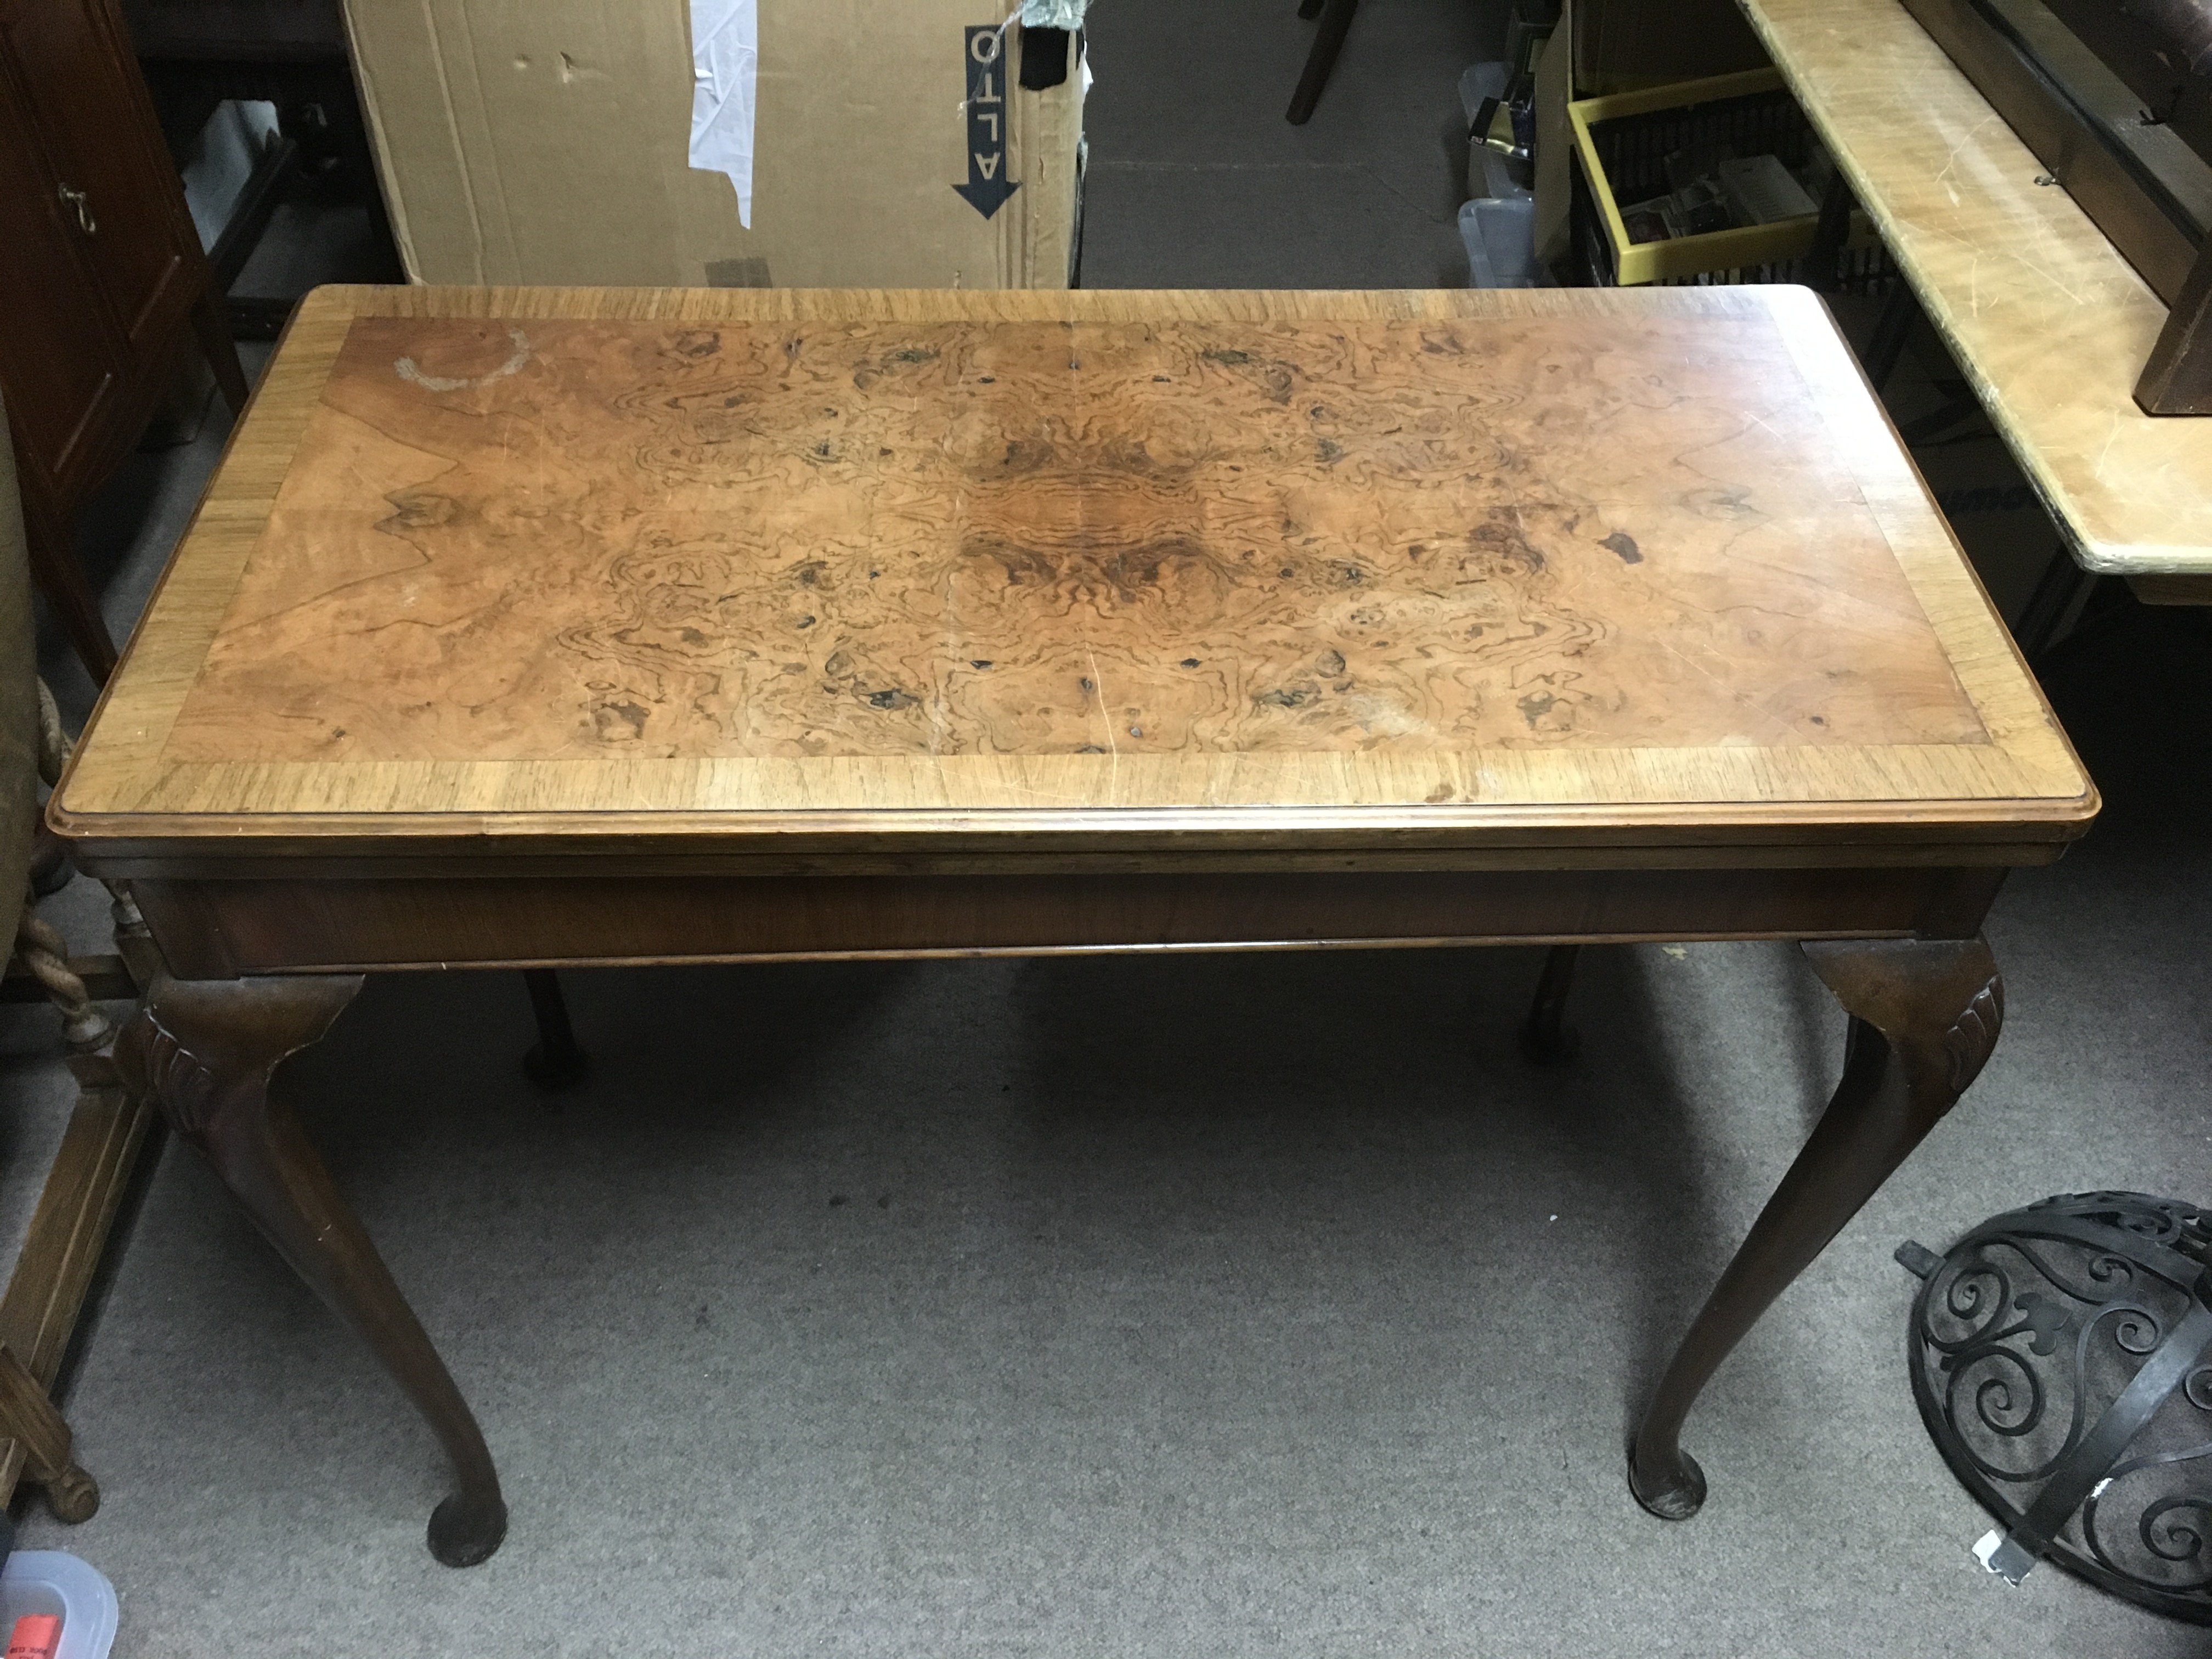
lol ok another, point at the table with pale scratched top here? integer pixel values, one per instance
(2046, 320)
(524, 628)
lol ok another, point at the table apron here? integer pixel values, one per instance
(221, 929)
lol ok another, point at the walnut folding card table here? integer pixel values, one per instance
(523, 628)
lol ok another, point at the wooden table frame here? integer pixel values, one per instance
(1900, 951)
(272, 908)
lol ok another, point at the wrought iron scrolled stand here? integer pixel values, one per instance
(2061, 1357)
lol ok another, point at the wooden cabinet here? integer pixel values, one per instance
(57, 359)
(101, 270)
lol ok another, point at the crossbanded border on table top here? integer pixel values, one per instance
(2007, 773)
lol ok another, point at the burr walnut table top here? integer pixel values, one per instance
(641, 572)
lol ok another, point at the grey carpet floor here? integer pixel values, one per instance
(1195, 179)
(1242, 1305)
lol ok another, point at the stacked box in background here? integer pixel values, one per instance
(547, 142)
(1624, 45)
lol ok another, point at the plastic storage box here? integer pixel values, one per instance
(56, 1582)
(1500, 234)
(1488, 172)
(1498, 224)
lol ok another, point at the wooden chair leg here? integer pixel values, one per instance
(60, 576)
(51, 870)
(28, 1418)
(1892, 330)
(555, 1062)
(38, 946)
(213, 327)
(1328, 40)
(1545, 1037)
(1924, 1017)
(79, 1202)
(205, 1051)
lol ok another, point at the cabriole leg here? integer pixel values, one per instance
(205, 1050)
(1924, 1017)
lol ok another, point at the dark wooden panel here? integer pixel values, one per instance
(217, 929)
(2162, 49)
(93, 113)
(2094, 172)
(2178, 378)
(292, 858)
(57, 359)
(68, 1231)
(2172, 590)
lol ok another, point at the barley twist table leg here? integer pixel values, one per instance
(41, 947)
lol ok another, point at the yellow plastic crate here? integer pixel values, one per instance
(1683, 256)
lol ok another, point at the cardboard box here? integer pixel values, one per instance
(1528, 24)
(1624, 45)
(548, 142)
(1555, 142)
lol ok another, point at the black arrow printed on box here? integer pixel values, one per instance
(988, 186)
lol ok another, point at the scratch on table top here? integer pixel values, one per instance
(1943, 178)
(1113, 750)
(2111, 438)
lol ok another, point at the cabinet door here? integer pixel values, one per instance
(60, 359)
(84, 99)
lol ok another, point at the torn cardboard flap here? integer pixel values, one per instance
(556, 144)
